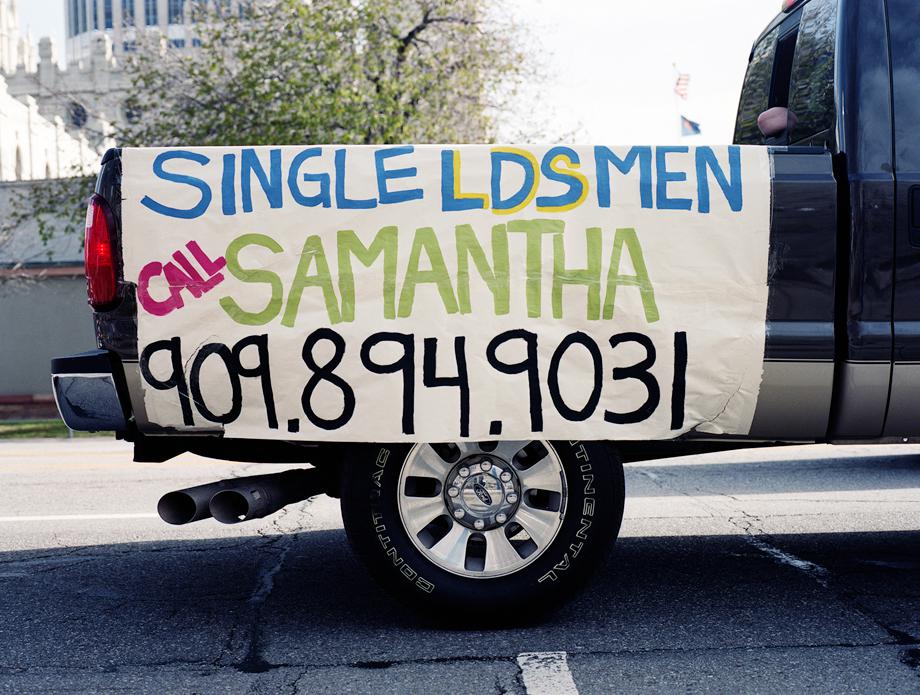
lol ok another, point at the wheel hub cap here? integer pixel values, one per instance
(475, 491)
(482, 509)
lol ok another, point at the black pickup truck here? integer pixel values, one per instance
(833, 90)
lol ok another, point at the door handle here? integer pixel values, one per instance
(913, 215)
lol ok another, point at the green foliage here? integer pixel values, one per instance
(41, 429)
(328, 71)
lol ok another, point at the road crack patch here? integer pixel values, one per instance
(752, 528)
(278, 543)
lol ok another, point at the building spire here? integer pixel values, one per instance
(9, 36)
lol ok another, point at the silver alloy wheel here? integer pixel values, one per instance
(482, 509)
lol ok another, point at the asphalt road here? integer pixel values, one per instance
(794, 570)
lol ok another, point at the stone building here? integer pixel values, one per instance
(88, 94)
(36, 139)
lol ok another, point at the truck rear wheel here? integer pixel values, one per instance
(509, 527)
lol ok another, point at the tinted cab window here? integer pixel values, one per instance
(792, 72)
(904, 18)
(756, 91)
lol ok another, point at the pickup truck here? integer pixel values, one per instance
(828, 107)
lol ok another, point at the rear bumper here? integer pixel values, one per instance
(86, 392)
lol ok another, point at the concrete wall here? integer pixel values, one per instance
(40, 320)
(44, 313)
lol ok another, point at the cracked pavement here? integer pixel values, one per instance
(780, 570)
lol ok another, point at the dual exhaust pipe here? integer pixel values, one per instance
(240, 499)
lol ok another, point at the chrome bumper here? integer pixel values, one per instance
(86, 392)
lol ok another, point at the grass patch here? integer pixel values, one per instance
(38, 429)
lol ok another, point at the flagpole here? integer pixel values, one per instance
(680, 128)
(681, 93)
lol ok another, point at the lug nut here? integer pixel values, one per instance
(512, 498)
(505, 476)
(479, 524)
(464, 472)
(485, 466)
(458, 514)
(453, 492)
(501, 518)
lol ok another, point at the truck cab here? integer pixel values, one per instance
(842, 335)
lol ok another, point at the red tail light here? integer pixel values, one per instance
(99, 255)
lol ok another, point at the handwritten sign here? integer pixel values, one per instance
(439, 293)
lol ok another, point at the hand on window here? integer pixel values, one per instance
(776, 122)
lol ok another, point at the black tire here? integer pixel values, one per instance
(591, 521)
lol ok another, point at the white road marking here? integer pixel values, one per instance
(76, 517)
(546, 673)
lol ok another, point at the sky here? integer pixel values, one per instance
(607, 66)
(43, 18)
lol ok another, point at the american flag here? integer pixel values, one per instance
(682, 86)
(688, 127)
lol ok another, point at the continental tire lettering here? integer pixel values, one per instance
(587, 510)
(550, 576)
(386, 543)
(380, 462)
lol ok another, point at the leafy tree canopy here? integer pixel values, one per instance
(328, 71)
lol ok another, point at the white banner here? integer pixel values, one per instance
(440, 293)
